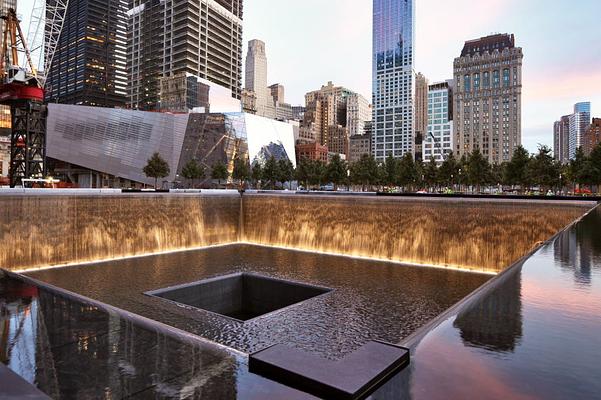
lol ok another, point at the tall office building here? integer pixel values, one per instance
(202, 38)
(592, 136)
(421, 115)
(488, 97)
(256, 78)
(438, 140)
(561, 139)
(332, 113)
(393, 77)
(579, 121)
(89, 65)
(5, 119)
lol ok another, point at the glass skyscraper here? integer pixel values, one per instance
(393, 77)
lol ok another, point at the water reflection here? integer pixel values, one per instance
(494, 323)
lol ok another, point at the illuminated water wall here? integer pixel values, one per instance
(50, 230)
(471, 234)
(38, 231)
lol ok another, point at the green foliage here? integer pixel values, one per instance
(448, 172)
(517, 170)
(256, 174)
(303, 172)
(337, 171)
(317, 173)
(542, 169)
(285, 170)
(408, 174)
(431, 173)
(271, 172)
(193, 170)
(478, 169)
(241, 172)
(364, 172)
(219, 172)
(391, 170)
(156, 168)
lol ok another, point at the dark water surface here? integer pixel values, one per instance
(370, 300)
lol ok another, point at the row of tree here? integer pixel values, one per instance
(524, 172)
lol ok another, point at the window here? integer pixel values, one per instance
(486, 80)
(496, 79)
(467, 83)
(506, 77)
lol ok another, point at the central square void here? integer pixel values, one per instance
(241, 296)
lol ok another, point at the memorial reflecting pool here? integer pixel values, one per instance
(476, 328)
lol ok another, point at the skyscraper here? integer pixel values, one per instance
(393, 77)
(256, 78)
(488, 97)
(561, 139)
(89, 65)
(438, 140)
(579, 121)
(166, 38)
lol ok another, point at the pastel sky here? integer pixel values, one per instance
(311, 42)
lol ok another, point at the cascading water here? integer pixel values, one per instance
(482, 235)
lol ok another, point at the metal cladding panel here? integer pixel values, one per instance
(114, 141)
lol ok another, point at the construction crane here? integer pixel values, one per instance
(22, 86)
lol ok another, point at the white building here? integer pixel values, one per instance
(4, 155)
(256, 78)
(358, 112)
(438, 140)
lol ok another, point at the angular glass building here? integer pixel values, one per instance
(393, 77)
(102, 147)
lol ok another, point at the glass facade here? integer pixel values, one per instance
(439, 139)
(119, 142)
(393, 77)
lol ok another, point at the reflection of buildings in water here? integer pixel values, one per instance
(573, 250)
(495, 322)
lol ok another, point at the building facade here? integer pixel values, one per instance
(331, 113)
(579, 121)
(421, 104)
(185, 93)
(89, 65)
(561, 140)
(312, 151)
(102, 147)
(359, 145)
(488, 98)
(4, 156)
(438, 141)
(202, 38)
(256, 78)
(393, 77)
(592, 136)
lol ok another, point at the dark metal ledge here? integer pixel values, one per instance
(354, 377)
(13, 387)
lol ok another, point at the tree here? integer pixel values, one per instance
(595, 161)
(303, 171)
(256, 174)
(219, 172)
(407, 172)
(285, 170)
(193, 170)
(516, 171)
(577, 173)
(431, 173)
(156, 168)
(478, 169)
(317, 173)
(541, 169)
(241, 172)
(364, 172)
(337, 171)
(448, 171)
(391, 170)
(271, 172)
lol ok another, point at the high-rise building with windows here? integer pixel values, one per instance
(488, 97)
(256, 78)
(579, 121)
(393, 77)
(202, 38)
(561, 139)
(592, 136)
(89, 65)
(438, 140)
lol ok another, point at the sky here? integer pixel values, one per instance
(311, 42)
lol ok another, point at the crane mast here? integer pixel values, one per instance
(22, 85)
